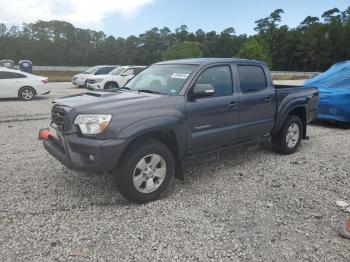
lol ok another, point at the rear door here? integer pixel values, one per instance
(213, 120)
(257, 101)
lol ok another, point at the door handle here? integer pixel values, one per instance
(232, 104)
(268, 100)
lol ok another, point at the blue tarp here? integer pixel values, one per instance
(334, 87)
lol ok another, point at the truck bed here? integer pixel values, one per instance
(287, 86)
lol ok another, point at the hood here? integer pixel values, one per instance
(126, 107)
(103, 102)
(82, 75)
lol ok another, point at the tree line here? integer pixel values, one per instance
(314, 45)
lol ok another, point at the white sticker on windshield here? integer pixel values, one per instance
(179, 75)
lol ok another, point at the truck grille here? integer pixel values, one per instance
(60, 118)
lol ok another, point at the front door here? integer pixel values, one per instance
(213, 120)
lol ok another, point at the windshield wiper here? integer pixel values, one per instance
(148, 91)
(119, 88)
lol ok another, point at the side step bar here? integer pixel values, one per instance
(245, 144)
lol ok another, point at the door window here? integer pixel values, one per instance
(117, 71)
(251, 78)
(220, 78)
(10, 75)
(129, 72)
(104, 70)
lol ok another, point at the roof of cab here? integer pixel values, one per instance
(211, 60)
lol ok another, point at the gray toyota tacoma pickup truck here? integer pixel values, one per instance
(142, 131)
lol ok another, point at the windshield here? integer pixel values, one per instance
(91, 70)
(117, 71)
(161, 79)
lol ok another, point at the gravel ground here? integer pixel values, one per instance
(247, 205)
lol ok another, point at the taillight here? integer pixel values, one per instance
(45, 81)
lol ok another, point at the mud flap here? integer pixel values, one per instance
(305, 137)
(179, 170)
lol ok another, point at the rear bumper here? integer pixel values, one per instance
(83, 154)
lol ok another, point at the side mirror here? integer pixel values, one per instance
(203, 90)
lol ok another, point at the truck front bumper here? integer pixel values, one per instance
(84, 154)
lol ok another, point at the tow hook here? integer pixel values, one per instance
(44, 133)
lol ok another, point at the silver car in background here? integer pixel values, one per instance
(80, 79)
(114, 79)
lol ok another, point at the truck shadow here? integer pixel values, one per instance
(331, 124)
(37, 98)
(97, 189)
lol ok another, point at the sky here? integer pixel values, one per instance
(133, 17)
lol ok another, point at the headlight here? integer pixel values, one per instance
(91, 124)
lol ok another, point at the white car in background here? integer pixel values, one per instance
(115, 79)
(15, 83)
(80, 79)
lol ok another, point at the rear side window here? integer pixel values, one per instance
(220, 78)
(10, 75)
(252, 78)
(104, 70)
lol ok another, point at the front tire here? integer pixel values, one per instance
(111, 85)
(26, 94)
(145, 171)
(288, 139)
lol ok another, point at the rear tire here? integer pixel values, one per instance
(145, 171)
(26, 94)
(288, 139)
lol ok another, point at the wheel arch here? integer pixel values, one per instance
(110, 81)
(299, 111)
(19, 90)
(168, 137)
